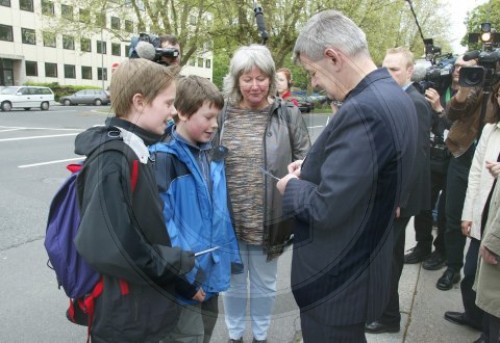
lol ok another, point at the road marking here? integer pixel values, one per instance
(8, 130)
(50, 162)
(38, 128)
(36, 137)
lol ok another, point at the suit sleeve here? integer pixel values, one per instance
(348, 174)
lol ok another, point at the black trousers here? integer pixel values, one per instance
(472, 312)
(210, 312)
(391, 313)
(493, 328)
(315, 332)
(424, 220)
(456, 187)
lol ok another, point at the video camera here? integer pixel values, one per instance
(484, 74)
(148, 46)
(439, 74)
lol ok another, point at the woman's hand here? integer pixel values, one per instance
(466, 225)
(487, 256)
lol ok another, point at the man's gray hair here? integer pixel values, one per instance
(330, 29)
(244, 59)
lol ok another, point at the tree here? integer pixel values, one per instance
(486, 13)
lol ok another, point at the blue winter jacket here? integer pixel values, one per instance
(197, 219)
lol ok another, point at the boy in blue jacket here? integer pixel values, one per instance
(192, 184)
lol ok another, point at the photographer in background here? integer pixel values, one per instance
(465, 111)
(170, 42)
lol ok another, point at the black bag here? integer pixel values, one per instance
(440, 157)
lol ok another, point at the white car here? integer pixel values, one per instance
(26, 97)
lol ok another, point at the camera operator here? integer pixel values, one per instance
(464, 110)
(170, 42)
(439, 165)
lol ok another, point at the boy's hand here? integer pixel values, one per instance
(200, 295)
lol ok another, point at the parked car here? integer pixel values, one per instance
(305, 104)
(96, 97)
(26, 97)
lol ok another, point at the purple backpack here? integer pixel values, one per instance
(75, 276)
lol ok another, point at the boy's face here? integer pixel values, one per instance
(201, 126)
(155, 116)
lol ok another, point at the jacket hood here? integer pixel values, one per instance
(87, 141)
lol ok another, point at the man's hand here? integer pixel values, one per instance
(487, 256)
(432, 96)
(494, 168)
(281, 185)
(466, 226)
(294, 167)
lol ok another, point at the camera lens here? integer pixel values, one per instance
(471, 76)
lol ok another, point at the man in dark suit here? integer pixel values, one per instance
(344, 195)
(400, 62)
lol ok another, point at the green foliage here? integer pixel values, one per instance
(486, 13)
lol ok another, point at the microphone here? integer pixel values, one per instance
(145, 50)
(471, 55)
(259, 18)
(420, 70)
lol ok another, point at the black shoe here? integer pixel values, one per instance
(240, 340)
(417, 254)
(434, 262)
(449, 278)
(460, 318)
(379, 327)
(259, 341)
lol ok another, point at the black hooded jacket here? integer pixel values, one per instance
(122, 235)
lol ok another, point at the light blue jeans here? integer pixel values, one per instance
(261, 276)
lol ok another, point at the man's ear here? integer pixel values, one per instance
(334, 56)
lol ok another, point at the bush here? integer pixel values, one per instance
(60, 90)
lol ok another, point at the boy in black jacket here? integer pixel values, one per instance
(122, 234)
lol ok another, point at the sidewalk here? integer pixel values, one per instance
(422, 309)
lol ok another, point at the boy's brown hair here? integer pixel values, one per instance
(193, 91)
(139, 75)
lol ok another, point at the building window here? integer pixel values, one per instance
(5, 3)
(101, 47)
(200, 62)
(115, 23)
(6, 33)
(48, 8)
(86, 73)
(208, 63)
(26, 5)
(50, 69)
(102, 73)
(116, 49)
(85, 44)
(127, 50)
(67, 12)
(68, 42)
(129, 26)
(69, 71)
(49, 39)
(28, 36)
(31, 68)
(84, 15)
(100, 20)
